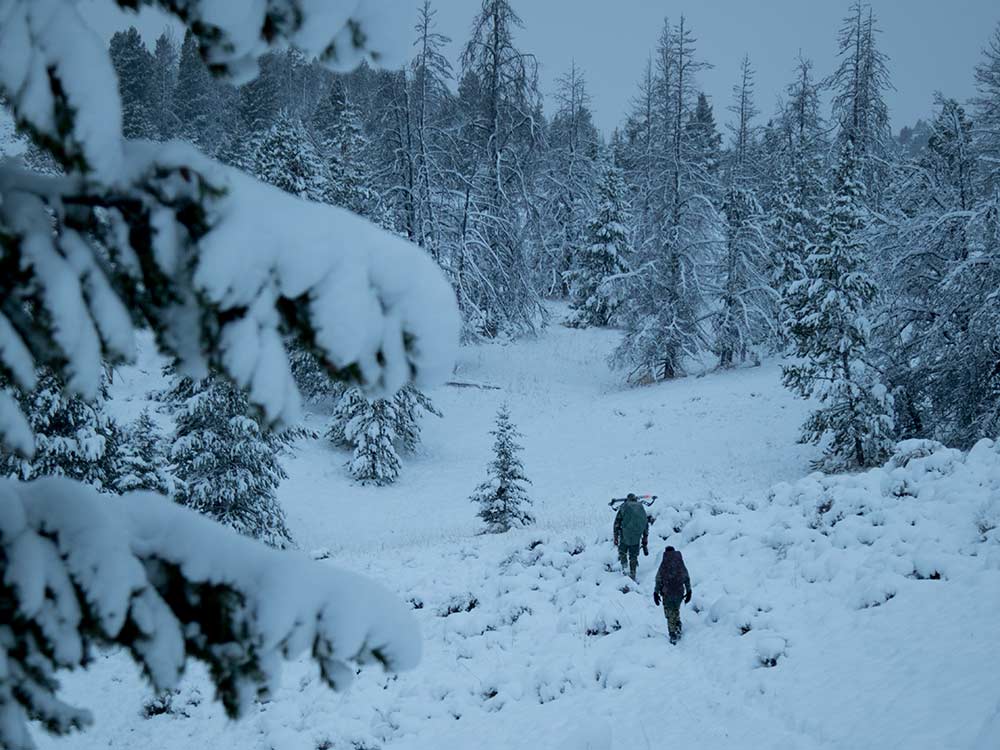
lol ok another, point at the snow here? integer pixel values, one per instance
(807, 629)
(73, 556)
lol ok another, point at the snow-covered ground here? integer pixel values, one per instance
(853, 612)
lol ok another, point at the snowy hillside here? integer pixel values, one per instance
(850, 612)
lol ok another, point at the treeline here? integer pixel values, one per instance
(872, 261)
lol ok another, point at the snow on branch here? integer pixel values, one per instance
(222, 268)
(83, 570)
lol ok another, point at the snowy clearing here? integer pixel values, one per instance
(878, 615)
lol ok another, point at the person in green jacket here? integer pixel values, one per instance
(631, 531)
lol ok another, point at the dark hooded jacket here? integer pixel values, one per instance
(672, 580)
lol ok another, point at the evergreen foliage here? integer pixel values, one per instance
(223, 270)
(832, 335)
(136, 70)
(377, 430)
(503, 498)
(603, 254)
(678, 221)
(286, 158)
(746, 311)
(227, 466)
(142, 460)
(74, 438)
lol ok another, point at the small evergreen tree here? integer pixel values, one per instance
(831, 333)
(226, 466)
(602, 255)
(74, 437)
(142, 460)
(286, 158)
(377, 430)
(503, 499)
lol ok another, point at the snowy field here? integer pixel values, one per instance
(854, 612)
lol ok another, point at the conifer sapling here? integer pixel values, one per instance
(503, 499)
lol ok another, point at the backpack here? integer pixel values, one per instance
(672, 572)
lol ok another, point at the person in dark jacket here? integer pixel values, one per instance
(631, 531)
(673, 586)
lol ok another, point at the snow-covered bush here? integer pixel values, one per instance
(224, 270)
(503, 499)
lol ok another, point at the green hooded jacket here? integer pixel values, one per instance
(631, 523)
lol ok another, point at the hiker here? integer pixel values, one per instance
(673, 585)
(631, 531)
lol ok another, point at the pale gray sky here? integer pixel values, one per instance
(932, 45)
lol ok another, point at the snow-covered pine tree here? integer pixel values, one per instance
(746, 301)
(503, 498)
(941, 278)
(602, 255)
(665, 293)
(342, 143)
(140, 574)
(142, 458)
(831, 331)
(74, 438)
(164, 81)
(859, 86)
(376, 430)
(227, 467)
(196, 104)
(500, 110)
(286, 158)
(568, 181)
(135, 68)
(706, 140)
(794, 187)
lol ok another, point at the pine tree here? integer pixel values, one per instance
(746, 310)
(744, 109)
(666, 292)
(706, 140)
(377, 430)
(196, 102)
(74, 438)
(503, 499)
(142, 460)
(136, 75)
(987, 128)
(337, 125)
(227, 467)
(500, 110)
(568, 181)
(940, 292)
(859, 85)
(794, 187)
(831, 333)
(164, 81)
(602, 255)
(431, 97)
(285, 157)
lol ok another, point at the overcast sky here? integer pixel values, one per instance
(932, 45)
